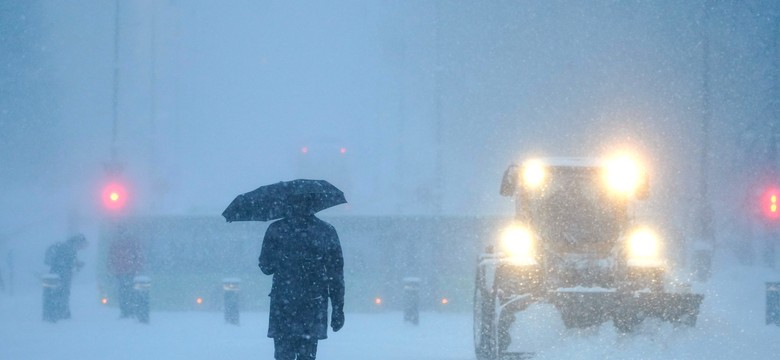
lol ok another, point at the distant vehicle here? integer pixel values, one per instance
(326, 158)
(574, 244)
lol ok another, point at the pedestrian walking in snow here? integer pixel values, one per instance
(61, 258)
(303, 253)
(125, 261)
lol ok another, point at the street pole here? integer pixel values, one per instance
(770, 257)
(706, 242)
(438, 188)
(155, 183)
(113, 167)
(115, 104)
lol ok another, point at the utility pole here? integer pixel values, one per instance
(770, 241)
(113, 167)
(705, 245)
(438, 181)
(115, 104)
(155, 181)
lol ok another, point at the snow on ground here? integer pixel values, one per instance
(731, 326)
(96, 332)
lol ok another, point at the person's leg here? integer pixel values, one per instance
(61, 299)
(50, 310)
(284, 348)
(57, 303)
(124, 292)
(307, 349)
(66, 301)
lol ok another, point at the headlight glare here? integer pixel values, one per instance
(517, 243)
(644, 248)
(623, 175)
(534, 174)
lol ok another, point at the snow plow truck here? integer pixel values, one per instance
(574, 243)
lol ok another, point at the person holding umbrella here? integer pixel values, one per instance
(303, 253)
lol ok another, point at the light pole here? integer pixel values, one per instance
(771, 241)
(762, 135)
(113, 167)
(705, 245)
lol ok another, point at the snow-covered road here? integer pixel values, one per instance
(731, 326)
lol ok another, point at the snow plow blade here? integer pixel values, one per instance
(583, 309)
(673, 307)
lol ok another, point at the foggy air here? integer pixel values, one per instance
(504, 180)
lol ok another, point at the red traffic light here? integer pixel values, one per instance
(114, 196)
(770, 203)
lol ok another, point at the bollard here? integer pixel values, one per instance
(140, 301)
(231, 287)
(773, 303)
(51, 303)
(412, 300)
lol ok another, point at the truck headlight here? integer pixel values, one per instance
(517, 243)
(644, 248)
(534, 174)
(623, 175)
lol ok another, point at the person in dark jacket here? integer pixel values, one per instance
(61, 257)
(125, 261)
(303, 253)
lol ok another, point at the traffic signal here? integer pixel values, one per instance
(114, 196)
(770, 203)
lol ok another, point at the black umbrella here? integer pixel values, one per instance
(284, 199)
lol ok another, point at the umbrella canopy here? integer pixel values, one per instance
(284, 199)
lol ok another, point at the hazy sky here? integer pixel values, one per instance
(430, 100)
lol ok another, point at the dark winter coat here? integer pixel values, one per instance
(304, 255)
(61, 257)
(125, 257)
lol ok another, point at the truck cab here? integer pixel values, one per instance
(575, 243)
